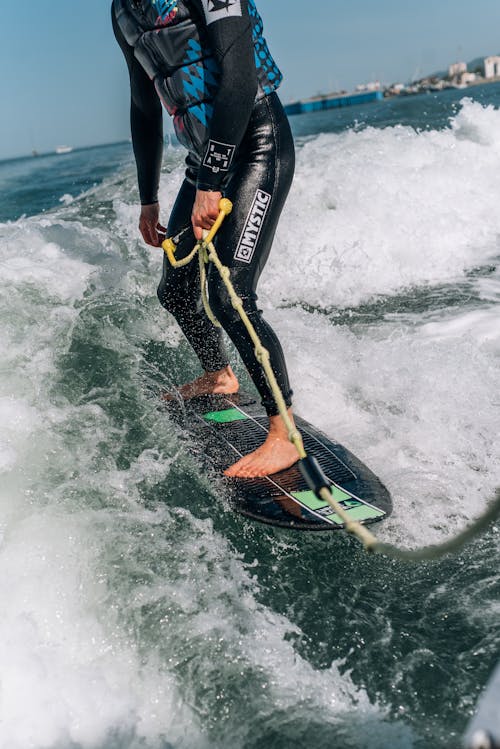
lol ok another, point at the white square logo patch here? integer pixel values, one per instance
(215, 10)
(218, 156)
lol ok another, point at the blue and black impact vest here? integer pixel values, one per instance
(170, 42)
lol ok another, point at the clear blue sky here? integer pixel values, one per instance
(64, 81)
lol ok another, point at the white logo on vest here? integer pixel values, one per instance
(217, 9)
(253, 226)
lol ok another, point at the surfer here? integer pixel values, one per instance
(208, 63)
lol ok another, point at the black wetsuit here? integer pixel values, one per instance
(245, 151)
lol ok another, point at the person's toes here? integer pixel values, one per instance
(246, 471)
(247, 467)
(233, 469)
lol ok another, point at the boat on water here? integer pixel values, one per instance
(64, 149)
(484, 729)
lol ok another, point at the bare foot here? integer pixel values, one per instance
(223, 381)
(276, 454)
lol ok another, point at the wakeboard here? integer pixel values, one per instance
(229, 426)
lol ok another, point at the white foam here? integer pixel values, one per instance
(478, 327)
(375, 211)
(242, 647)
(70, 669)
(39, 284)
(477, 123)
(65, 676)
(26, 257)
(18, 421)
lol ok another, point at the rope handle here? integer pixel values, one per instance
(225, 208)
(169, 245)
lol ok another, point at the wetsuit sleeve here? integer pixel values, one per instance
(229, 31)
(146, 123)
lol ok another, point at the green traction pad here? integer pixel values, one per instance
(356, 508)
(225, 417)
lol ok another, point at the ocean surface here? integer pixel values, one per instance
(137, 610)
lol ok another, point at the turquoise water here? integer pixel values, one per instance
(139, 612)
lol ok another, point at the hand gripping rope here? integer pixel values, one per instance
(308, 465)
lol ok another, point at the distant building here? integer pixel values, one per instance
(492, 67)
(467, 78)
(456, 69)
(372, 86)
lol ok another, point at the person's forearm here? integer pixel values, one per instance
(232, 109)
(233, 104)
(146, 122)
(147, 141)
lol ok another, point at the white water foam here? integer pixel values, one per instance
(375, 211)
(65, 677)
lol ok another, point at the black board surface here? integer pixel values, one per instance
(227, 427)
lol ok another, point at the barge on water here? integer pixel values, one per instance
(318, 103)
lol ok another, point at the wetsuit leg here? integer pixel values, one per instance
(258, 188)
(179, 289)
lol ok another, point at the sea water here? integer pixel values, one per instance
(137, 610)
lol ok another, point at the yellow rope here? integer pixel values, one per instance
(207, 253)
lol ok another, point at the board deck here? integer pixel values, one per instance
(231, 426)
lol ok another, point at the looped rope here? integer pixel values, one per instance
(206, 252)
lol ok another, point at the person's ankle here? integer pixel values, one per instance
(277, 427)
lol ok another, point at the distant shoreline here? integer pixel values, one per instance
(75, 149)
(347, 95)
(322, 102)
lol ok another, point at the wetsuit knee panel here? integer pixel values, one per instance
(219, 299)
(222, 306)
(175, 297)
(165, 297)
